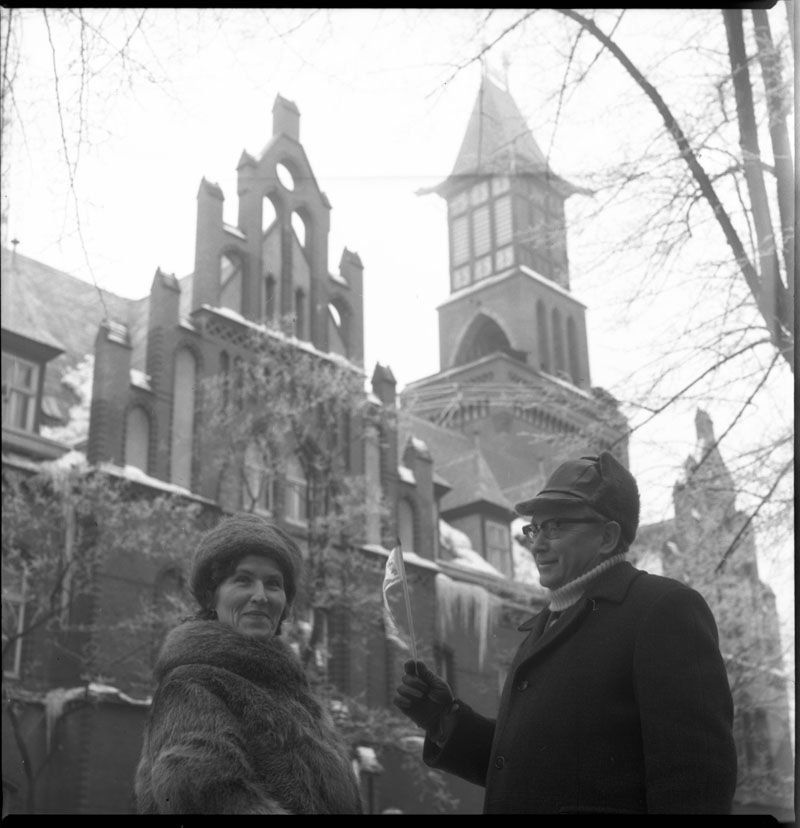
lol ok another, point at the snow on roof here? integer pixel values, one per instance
(408, 557)
(460, 547)
(406, 475)
(136, 475)
(71, 460)
(293, 340)
(56, 700)
(234, 231)
(140, 379)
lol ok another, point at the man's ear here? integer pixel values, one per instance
(612, 532)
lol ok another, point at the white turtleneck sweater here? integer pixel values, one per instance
(569, 594)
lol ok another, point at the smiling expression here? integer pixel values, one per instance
(253, 597)
(579, 548)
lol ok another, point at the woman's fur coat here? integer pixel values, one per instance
(235, 729)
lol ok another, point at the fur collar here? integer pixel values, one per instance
(270, 663)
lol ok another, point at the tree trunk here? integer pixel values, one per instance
(779, 134)
(775, 309)
(753, 171)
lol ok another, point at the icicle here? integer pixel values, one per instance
(54, 703)
(465, 606)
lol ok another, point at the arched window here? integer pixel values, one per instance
(483, 337)
(406, 524)
(257, 482)
(295, 505)
(542, 337)
(230, 282)
(572, 350)
(183, 402)
(137, 439)
(558, 342)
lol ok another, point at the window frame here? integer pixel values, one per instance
(13, 391)
(466, 220)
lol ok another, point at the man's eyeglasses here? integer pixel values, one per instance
(552, 528)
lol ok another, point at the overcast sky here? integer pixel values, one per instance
(384, 98)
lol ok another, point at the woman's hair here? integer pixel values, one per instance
(233, 538)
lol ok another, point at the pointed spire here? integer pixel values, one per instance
(498, 141)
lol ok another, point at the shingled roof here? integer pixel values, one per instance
(50, 306)
(498, 141)
(457, 460)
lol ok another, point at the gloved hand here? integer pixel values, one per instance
(422, 695)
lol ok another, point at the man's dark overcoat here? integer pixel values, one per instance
(621, 706)
(235, 729)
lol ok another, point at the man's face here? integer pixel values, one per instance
(577, 548)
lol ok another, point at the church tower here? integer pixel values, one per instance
(513, 349)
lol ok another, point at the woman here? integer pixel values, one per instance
(234, 727)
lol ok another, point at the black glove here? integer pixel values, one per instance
(422, 695)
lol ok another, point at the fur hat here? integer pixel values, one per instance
(601, 483)
(232, 539)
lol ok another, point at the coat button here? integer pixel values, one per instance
(523, 685)
(500, 762)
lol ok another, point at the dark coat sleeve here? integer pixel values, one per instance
(467, 749)
(685, 708)
(199, 763)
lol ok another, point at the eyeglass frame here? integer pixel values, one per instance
(532, 530)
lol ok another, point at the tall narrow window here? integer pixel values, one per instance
(572, 350)
(137, 439)
(542, 337)
(481, 234)
(269, 297)
(20, 383)
(405, 525)
(558, 341)
(460, 240)
(183, 402)
(498, 547)
(300, 313)
(502, 220)
(296, 492)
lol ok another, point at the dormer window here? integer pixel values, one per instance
(20, 386)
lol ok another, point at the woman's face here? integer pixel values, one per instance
(252, 598)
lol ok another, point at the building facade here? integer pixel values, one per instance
(118, 383)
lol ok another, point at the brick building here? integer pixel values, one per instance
(512, 398)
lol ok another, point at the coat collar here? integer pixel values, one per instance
(612, 585)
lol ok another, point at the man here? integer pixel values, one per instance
(617, 700)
